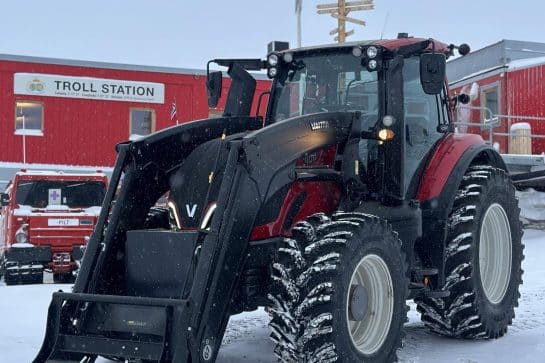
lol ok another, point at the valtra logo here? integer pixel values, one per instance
(35, 86)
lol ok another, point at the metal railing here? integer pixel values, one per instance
(493, 121)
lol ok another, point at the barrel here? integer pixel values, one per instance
(520, 140)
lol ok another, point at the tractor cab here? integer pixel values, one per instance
(385, 83)
(396, 86)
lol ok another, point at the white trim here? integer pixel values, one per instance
(28, 132)
(40, 168)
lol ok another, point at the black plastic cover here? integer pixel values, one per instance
(29, 254)
(158, 262)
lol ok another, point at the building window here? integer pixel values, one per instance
(490, 103)
(29, 118)
(142, 122)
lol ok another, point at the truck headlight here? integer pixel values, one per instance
(21, 235)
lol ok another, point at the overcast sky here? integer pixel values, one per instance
(188, 33)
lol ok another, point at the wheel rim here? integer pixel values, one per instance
(369, 334)
(495, 253)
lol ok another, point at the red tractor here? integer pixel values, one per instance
(47, 216)
(352, 195)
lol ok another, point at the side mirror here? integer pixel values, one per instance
(4, 199)
(213, 87)
(432, 72)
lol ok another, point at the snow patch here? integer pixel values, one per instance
(532, 205)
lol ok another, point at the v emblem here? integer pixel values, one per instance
(191, 212)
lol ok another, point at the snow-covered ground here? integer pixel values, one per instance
(23, 311)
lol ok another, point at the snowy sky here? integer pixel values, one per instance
(188, 33)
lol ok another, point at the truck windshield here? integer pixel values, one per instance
(325, 83)
(73, 194)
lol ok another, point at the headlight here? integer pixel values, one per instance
(272, 59)
(372, 65)
(205, 224)
(173, 217)
(21, 235)
(372, 52)
(385, 134)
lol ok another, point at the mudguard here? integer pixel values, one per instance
(454, 154)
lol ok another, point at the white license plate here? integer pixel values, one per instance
(56, 222)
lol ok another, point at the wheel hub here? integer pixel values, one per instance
(358, 303)
(495, 253)
(370, 304)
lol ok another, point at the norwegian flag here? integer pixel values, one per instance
(174, 113)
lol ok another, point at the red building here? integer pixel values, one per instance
(507, 83)
(66, 112)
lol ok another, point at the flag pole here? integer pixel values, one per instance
(24, 141)
(298, 8)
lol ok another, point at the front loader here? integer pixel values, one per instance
(351, 195)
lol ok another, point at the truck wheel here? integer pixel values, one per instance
(483, 259)
(339, 290)
(10, 279)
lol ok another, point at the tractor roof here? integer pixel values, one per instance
(390, 44)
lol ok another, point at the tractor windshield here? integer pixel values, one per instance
(323, 82)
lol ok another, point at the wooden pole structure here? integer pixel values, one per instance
(341, 21)
(340, 11)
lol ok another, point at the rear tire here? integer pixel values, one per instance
(315, 317)
(483, 259)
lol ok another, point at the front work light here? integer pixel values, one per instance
(272, 60)
(272, 72)
(372, 52)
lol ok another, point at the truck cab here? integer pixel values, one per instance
(46, 219)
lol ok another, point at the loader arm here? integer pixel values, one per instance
(188, 329)
(258, 165)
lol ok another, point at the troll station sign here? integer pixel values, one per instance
(86, 87)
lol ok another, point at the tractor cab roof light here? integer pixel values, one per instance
(288, 57)
(372, 52)
(357, 52)
(273, 59)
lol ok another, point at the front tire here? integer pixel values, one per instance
(340, 286)
(483, 259)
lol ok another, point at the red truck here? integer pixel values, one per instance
(46, 219)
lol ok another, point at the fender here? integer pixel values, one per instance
(441, 179)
